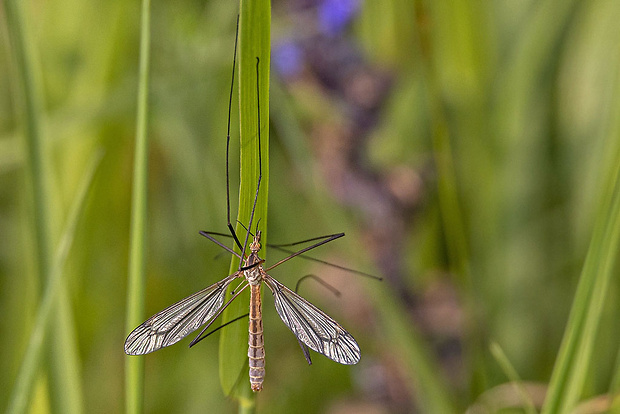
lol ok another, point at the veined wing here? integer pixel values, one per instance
(312, 326)
(177, 321)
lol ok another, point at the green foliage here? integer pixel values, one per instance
(22, 393)
(507, 111)
(136, 275)
(254, 43)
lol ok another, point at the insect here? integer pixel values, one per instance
(309, 324)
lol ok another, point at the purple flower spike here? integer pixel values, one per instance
(287, 58)
(334, 15)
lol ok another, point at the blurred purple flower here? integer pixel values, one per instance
(287, 58)
(334, 15)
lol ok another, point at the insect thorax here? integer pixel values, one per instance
(253, 275)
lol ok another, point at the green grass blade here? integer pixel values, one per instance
(577, 349)
(65, 385)
(134, 366)
(26, 377)
(254, 41)
(33, 110)
(513, 376)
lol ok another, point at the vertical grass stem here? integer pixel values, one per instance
(134, 366)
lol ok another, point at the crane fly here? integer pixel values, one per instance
(312, 327)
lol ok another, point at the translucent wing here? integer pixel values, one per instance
(177, 321)
(312, 326)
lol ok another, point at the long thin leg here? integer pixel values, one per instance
(260, 166)
(314, 259)
(277, 246)
(326, 285)
(220, 327)
(304, 347)
(232, 83)
(219, 312)
(208, 234)
(303, 241)
(281, 248)
(315, 245)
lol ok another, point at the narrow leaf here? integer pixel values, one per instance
(134, 366)
(254, 42)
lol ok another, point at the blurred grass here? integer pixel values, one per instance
(24, 384)
(63, 366)
(136, 275)
(510, 372)
(527, 93)
(576, 354)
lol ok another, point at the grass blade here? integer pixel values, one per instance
(577, 349)
(30, 364)
(33, 110)
(65, 386)
(511, 373)
(134, 366)
(254, 41)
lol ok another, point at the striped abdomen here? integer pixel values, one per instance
(256, 350)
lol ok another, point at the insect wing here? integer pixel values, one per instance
(312, 326)
(177, 321)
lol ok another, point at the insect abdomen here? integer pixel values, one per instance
(256, 350)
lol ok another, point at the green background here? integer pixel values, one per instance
(509, 111)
